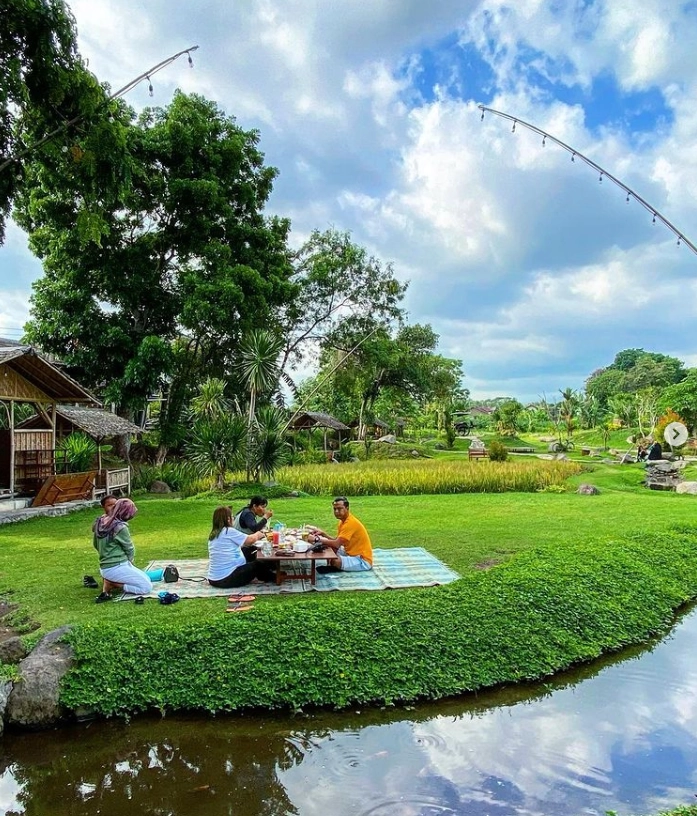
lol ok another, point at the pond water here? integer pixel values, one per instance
(618, 735)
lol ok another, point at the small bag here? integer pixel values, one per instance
(170, 574)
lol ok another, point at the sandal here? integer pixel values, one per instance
(168, 597)
(103, 597)
(238, 608)
(241, 598)
(89, 582)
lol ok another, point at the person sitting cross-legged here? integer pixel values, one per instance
(354, 552)
(227, 566)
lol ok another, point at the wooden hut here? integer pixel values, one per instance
(100, 425)
(28, 454)
(310, 420)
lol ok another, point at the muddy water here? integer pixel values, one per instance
(620, 735)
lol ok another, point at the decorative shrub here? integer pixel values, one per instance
(498, 452)
(78, 451)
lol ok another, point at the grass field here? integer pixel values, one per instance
(42, 561)
(576, 576)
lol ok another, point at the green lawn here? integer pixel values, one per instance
(42, 561)
(579, 575)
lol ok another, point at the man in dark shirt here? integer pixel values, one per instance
(254, 517)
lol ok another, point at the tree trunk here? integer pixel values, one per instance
(122, 447)
(161, 455)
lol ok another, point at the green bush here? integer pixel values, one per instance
(498, 452)
(78, 451)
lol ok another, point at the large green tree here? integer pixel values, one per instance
(634, 370)
(175, 268)
(336, 280)
(53, 112)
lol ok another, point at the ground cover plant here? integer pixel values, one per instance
(563, 583)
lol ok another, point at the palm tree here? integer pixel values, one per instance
(218, 445)
(210, 402)
(258, 365)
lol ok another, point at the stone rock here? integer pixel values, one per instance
(33, 701)
(548, 439)
(5, 689)
(12, 650)
(628, 459)
(687, 487)
(160, 487)
(588, 490)
(389, 438)
(415, 453)
(561, 457)
(476, 443)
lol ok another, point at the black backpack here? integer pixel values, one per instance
(170, 574)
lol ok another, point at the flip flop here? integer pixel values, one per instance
(241, 598)
(168, 597)
(238, 609)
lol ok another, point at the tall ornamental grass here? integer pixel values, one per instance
(397, 477)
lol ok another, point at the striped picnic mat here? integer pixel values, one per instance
(392, 569)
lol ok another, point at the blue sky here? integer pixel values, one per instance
(532, 272)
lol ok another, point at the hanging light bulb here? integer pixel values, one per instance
(481, 118)
(654, 218)
(627, 198)
(600, 179)
(573, 157)
(679, 239)
(544, 140)
(191, 62)
(150, 88)
(513, 128)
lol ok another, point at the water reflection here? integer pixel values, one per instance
(616, 736)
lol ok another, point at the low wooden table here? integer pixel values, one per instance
(281, 575)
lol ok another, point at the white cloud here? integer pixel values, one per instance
(531, 271)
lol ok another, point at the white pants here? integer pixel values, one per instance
(134, 581)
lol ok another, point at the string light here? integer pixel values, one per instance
(191, 62)
(629, 193)
(150, 88)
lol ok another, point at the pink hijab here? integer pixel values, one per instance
(110, 523)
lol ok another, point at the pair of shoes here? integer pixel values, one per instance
(328, 569)
(139, 600)
(89, 582)
(241, 598)
(168, 597)
(103, 597)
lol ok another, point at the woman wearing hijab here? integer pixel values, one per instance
(112, 540)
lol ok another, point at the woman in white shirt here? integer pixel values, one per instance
(227, 566)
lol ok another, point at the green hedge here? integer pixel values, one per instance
(543, 611)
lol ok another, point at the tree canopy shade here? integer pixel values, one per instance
(183, 251)
(633, 370)
(45, 86)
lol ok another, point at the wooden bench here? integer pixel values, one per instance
(477, 453)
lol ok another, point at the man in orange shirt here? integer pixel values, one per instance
(354, 552)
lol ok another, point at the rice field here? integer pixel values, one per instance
(398, 477)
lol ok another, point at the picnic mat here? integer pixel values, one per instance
(392, 569)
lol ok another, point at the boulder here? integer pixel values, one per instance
(389, 438)
(160, 487)
(12, 650)
(687, 487)
(587, 490)
(5, 689)
(476, 443)
(628, 459)
(33, 701)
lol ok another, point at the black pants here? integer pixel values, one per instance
(245, 574)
